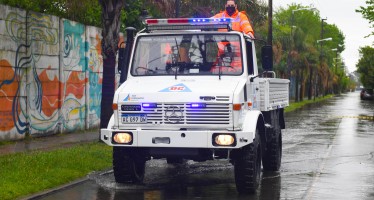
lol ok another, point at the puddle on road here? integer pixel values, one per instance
(173, 182)
(159, 174)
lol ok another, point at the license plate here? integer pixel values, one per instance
(134, 119)
(131, 108)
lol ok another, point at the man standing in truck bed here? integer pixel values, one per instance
(240, 19)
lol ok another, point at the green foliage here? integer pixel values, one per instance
(84, 11)
(365, 67)
(26, 173)
(46, 6)
(255, 9)
(131, 15)
(89, 11)
(296, 30)
(331, 30)
(368, 12)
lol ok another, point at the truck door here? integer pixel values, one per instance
(251, 88)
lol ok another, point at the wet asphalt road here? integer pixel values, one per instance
(328, 153)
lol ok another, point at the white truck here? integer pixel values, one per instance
(193, 91)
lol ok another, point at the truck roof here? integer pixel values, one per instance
(190, 25)
(202, 24)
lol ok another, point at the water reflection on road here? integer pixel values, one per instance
(328, 153)
(212, 179)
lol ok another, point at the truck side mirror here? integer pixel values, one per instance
(267, 57)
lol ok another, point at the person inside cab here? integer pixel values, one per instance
(240, 19)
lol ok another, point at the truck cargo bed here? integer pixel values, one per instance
(274, 93)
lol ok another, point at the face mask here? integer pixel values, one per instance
(230, 10)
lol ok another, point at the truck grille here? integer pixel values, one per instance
(174, 113)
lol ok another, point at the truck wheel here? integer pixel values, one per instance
(272, 156)
(127, 167)
(247, 167)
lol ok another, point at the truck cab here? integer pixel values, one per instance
(193, 91)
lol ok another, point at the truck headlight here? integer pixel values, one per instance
(122, 138)
(224, 139)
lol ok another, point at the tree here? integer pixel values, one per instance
(365, 67)
(368, 12)
(84, 11)
(256, 9)
(111, 12)
(297, 32)
(330, 57)
(297, 29)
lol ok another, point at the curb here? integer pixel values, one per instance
(54, 190)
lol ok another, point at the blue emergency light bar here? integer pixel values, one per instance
(188, 24)
(188, 21)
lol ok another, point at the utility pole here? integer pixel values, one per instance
(270, 18)
(177, 8)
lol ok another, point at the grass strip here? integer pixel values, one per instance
(296, 105)
(23, 174)
(6, 142)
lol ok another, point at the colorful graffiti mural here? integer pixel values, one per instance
(50, 75)
(73, 66)
(95, 77)
(42, 76)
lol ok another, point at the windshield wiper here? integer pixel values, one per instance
(148, 71)
(220, 70)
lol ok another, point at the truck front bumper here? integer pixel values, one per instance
(176, 139)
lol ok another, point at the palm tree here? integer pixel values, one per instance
(298, 54)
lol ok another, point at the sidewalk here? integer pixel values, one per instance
(50, 142)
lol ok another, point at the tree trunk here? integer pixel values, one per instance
(297, 86)
(111, 11)
(310, 84)
(302, 85)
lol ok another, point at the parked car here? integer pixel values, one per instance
(367, 94)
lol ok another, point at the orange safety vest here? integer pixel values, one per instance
(240, 22)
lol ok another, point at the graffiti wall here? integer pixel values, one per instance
(94, 73)
(12, 73)
(50, 74)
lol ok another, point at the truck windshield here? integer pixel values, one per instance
(190, 54)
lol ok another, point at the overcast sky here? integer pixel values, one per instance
(342, 14)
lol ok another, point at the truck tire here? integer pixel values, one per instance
(247, 167)
(127, 168)
(272, 156)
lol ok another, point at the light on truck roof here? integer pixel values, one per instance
(188, 23)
